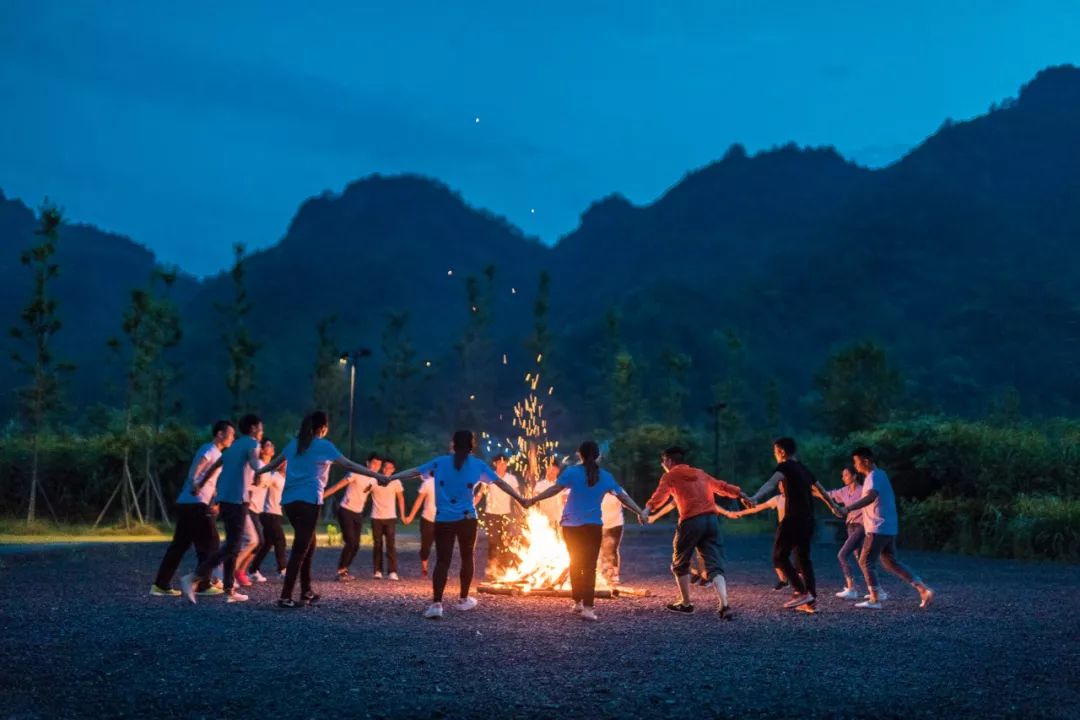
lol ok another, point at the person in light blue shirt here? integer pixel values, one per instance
(309, 456)
(456, 477)
(582, 520)
(882, 524)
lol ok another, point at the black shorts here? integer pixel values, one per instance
(700, 533)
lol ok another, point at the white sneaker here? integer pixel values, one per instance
(377, 575)
(393, 576)
(882, 595)
(866, 604)
(578, 607)
(588, 614)
(467, 604)
(848, 594)
(926, 596)
(258, 576)
(187, 586)
(434, 612)
(235, 597)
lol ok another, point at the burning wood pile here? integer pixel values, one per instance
(542, 566)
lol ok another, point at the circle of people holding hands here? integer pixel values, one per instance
(254, 484)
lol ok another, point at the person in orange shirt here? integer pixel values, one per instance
(698, 529)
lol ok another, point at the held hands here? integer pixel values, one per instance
(728, 513)
(746, 502)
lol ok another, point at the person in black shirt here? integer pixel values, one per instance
(795, 531)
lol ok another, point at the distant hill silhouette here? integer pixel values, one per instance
(962, 258)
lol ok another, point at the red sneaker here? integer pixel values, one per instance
(242, 579)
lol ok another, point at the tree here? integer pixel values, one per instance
(41, 397)
(621, 379)
(539, 342)
(675, 393)
(857, 388)
(475, 350)
(241, 348)
(152, 327)
(396, 379)
(329, 383)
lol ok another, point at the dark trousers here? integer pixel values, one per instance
(352, 525)
(427, 538)
(384, 532)
(234, 516)
(883, 546)
(795, 534)
(304, 517)
(583, 544)
(609, 552)
(273, 537)
(446, 533)
(194, 526)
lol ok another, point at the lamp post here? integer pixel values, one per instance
(715, 410)
(350, 359)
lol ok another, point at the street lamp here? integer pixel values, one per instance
(715, 410)
(351, 358)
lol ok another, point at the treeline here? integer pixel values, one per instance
(999, 485)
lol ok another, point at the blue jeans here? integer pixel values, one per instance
(855, 535)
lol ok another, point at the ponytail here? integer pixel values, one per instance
(590, 455)
(463, 444)
(309, 426)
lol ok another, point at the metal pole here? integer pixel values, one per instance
(352, 397)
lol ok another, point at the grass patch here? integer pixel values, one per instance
(42, 531)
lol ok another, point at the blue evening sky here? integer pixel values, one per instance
(189, 126)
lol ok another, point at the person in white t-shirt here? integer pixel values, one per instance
(425, 505)
(351, 512)
(270, 516)
(882, 524)
(387, 504)
(611, 510)
(256, 501)
(195, 523)
(498, 517)
(552, 507)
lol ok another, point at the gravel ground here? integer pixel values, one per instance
(82, 639)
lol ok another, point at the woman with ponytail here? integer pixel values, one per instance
(455, 476)
(309, 458)
(582, 520)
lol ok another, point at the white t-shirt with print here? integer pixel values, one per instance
(384, 500)
(357, 491)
